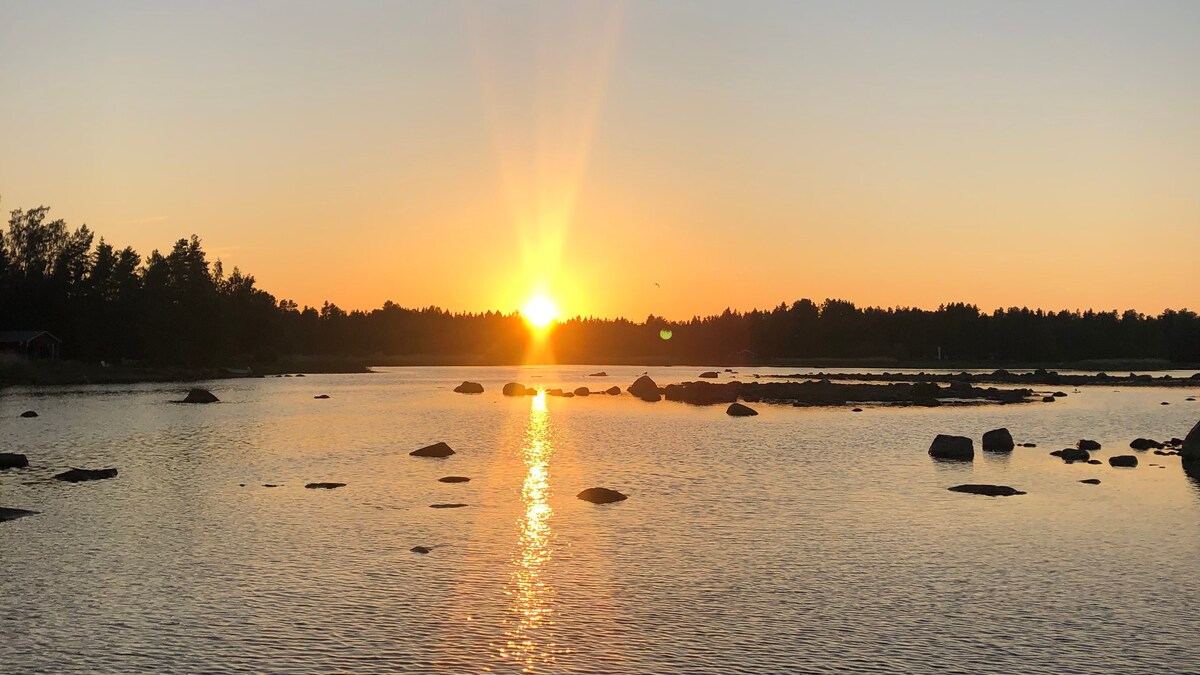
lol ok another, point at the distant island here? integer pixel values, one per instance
(116, 315)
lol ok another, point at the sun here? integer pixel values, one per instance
(540, 311)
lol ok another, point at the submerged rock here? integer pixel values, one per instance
(739, 410)
(200, 396)
(321, 396)
(324, 486)
(645, 389)
(12, 514)
(447, 506)
(857, 410)
(1085, 444)
(1029, 445)
(709, 375)
(1048, 399)
(599, 374)
(1091, 481)
(29, 413)
(515, 389)
(945, 446)
(1123, 460)
(998, 440)
(438, 449)
(600, 495)
(1072, 455)
(987, 490)
(80, 475)
(469, 388)
(1145, 444)
(13, 460)
(454, 479)
(1059, 394)
(421, 549)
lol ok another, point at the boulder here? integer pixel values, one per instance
(29, 413)
(321, 396)
(1085, 444)
(1091, 481)
(599, 374)
(469, 388)
(1072, 454)
(581, 391)
(80, 475)
(447, 506)
(945, 446)
(709, 374)
(599, 495)
(644, 388)
(514, 389)
(739, 410)
(12, 460)
(200, 396)
(998, 440)
(421, 549)
(1123, 460)
(454, 479)
(13, 514)
(1048, 399)
(324, 486)
(438, 449)
(1191, 445)
(1145, 444)
(613, 391)
(987, 490)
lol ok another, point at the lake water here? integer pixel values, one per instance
(804, 540)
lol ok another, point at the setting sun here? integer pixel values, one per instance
(540, 311)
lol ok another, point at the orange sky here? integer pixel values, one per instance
(467, 155)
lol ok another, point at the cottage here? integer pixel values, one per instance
(37, 344)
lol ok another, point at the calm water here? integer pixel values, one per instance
(801, 540)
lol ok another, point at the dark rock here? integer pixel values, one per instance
(1085, 444)
(739, 410)
(469, 388)
(29, 413)
(1048, 399)
(998, 440)
(200, 396)
(952, 447)
(1177, 442)
(515, 389)
(988, 490)
(454, 479)
(269, 485)
(79, 475)
(1191, 446)
(1094, 461)
(1091, 481)
(613, 391)
(1190, 399)
(1162, 453)
(599, 374)
(299, 374)
(438, 449)
(1123, 460)
(554, 392)
(709, 375)
(1059, 394)
(1145, 444)
(582, 391)
(324, 486)
(857, 410)
(13, 514)
(421, 549)
(321, 396)
(12, 460)
(599, 495)
(447, 506)
(1164, 403)
(1029, 445)
(568, 394)
(644, 388)
(1072, 454)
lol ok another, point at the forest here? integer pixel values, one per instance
(113, 304)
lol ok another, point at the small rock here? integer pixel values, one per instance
(1048, 399)
(945, 446)
(599, 374)
(200, 396)
(645, 388)
(709, 374)
(554, 392)
(1059, 394)
(13, 514)
(421, 549)
(320, 396)
(613, 391)
(29, 413)
(998, 440)
(1094, 461)
(438, 449)
(1091, 481)
(324, 486)
(470, 388)
(582, 391)
(1029, 445)
(270, 485)
(857, 410)
(447, 506)
(599, 495)
(514, 389)
(80, 475)
(739, 410)
(1123, 460)
(1072, 454)
(1164, 403)
(13, 460)
(1145, 444)
(454, 479)
(568, 394)
(1085, 444)
(987, 490)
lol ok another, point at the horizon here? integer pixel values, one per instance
(625, 159)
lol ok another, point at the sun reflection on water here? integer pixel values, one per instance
(531, 607)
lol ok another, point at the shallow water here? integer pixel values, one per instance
(802, 540)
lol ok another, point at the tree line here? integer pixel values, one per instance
(178, 308)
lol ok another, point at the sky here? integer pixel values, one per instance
(625, 159)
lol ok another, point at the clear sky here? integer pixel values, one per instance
(736, 154)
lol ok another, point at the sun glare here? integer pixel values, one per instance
(540, 311)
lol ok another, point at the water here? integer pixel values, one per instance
(802, 540)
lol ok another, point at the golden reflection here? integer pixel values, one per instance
(531, 607)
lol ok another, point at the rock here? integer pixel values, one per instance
(12, 460)
(514, 389)
(599, 374)
(1059, 394)
(200, 396)
(613, 391)
(1190, 398)
(1091, 481)
(739, 410)
(952, 447)
(1161, 453)
(321, 396)
(454, 479)
(299, 374)
(1177, 442)
(1029, 445)
(79, 475)
(857, 410)
(988, 490)
(644, 388)
(1094, 461)
(998, 440)
(324, 486)
(1164, 403)
(1191, 445)
(1123, 460)
(568, 394)
(421, 549)
(1085, 444)
(447, 506)
(12, 514)
(1145, 444)
(29, 413)
(438, 449)
(582, 391)
(555, 392)
(1072, 454)
(709, 375)
(269, 485)
(1048, 399)
(599, 495)
(469, 388)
